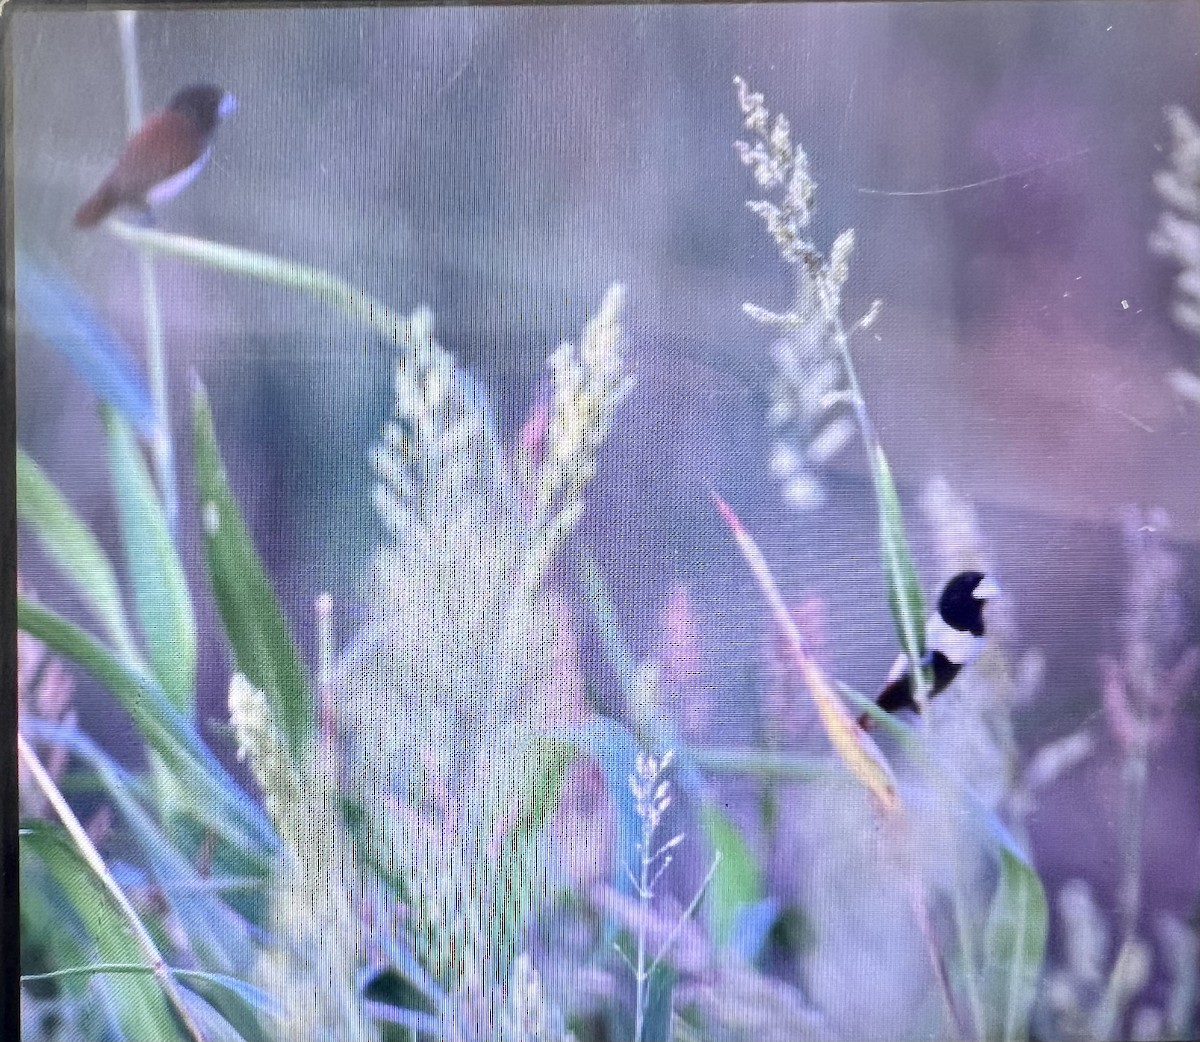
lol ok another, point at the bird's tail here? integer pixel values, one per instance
(97, 207)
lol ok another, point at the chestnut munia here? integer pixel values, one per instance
(164, 156)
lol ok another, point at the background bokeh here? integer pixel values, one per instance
(504, 165)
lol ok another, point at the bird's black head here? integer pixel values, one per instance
(204, 104)
(962, 600)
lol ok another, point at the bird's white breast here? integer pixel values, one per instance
(959, 646)
(176, 183)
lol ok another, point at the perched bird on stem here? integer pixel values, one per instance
(954, 637)
(163, 157)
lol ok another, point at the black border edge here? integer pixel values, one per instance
(10, 914)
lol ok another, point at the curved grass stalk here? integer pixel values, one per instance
(264, 267)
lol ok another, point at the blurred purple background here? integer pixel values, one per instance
(504, 165)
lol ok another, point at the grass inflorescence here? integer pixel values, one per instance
(447, 840)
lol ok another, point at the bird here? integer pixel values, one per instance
(164, 156)
(954, 637)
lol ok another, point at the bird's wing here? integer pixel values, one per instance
(166, 144)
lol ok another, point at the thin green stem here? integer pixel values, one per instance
(830, 311)
(127, 28)
(1134, 775)
(687, 913)
(87, 971)
(162, 446)
(759, 763)
(114, 967)
(920, 909)
(640, 973)
(263, 267)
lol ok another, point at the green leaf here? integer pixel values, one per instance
(604, 611)
(737, 882)
(50, 934)
(639, 684)
(216, 799)
(224, 1007)
(143, 1012)
(886, 721)
(904, 591)
(216, 935)
(72, 547)
(1014, 943)
(262, 645)
(160, 591)
(853, 747)
(250, 1010)
(545, 763)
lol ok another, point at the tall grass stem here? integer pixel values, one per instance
(162, 448)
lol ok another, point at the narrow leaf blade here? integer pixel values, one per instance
(216, 935)
(164, 604)
(660, 989)
(72, 547)
(250, 1010)
(854, 747)
(253, 621)
(904, 591)
(142, 1010)
(736, 885)
(1014, 945)
(614, 749)
(218, 801)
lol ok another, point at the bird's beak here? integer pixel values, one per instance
(228, 105)
(988, 589)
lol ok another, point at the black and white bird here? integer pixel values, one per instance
(954, 637)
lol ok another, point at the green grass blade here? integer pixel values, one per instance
(160, 591)
(143, 1011)
(74, 550)
(604, 611)
(736, 884)
(1014, 944)
(243, 1008)
(653, 727)
(51, 935)
(852, 745)
(545, 766)
(217, 801)
(263, 267)
(247, 1009)
(253, 621)
(762, 763)
(904, 590)
(216, 936)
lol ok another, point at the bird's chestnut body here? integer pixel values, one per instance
(163, 157)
